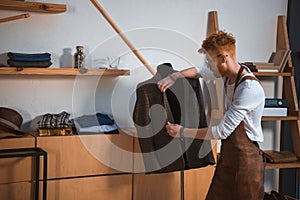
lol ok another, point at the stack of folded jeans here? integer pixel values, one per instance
(22, 60)
(95, 123)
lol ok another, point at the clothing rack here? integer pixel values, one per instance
(182, 184)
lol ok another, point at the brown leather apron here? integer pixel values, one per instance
(239, 173)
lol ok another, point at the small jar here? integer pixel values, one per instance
(79, 57)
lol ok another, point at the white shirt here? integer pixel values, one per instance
(246, 105)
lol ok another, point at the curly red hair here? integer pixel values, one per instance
(220, 41)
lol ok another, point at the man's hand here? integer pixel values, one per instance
(165, 83)
(173, 129)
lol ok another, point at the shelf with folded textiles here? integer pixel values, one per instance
(283, 165)
(42, 7)
(281, 66)
(63, 72)
(280, 159)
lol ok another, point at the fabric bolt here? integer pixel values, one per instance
(182, 104)
(29, 57)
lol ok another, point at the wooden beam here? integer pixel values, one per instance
(123, 37)
(7, 19)
(282, 40)
(32, 6)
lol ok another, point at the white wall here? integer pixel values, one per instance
(163, 30)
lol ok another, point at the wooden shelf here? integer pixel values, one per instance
(63, 72)
(278, 165)
(280, 118)
(33, 6)
(272, 73)
(282, 165)
(292, 115)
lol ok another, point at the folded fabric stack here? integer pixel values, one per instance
(60, 120)
(22, 60)
(56, 124)
(273, 156)
(98, 123)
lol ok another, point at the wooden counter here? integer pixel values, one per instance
(76, 170)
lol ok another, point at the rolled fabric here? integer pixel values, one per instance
(29, 57)
(41, 64)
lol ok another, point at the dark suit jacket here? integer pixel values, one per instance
(183, 105)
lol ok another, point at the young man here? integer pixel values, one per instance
(240, 169)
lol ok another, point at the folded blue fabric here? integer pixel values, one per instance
(94, 120)
(29, 57)
(40, 64)
(104, 119)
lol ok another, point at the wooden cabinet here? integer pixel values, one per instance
(167, 186)
(16, 169)
(16, 191)
(74, 169)
(85, 155)
(79, 166)
(17, 173)
(157, 186)
(91, 188)
(197, 182)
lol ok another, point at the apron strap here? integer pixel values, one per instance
(238, 79)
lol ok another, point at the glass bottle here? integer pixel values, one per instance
(79, 57)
